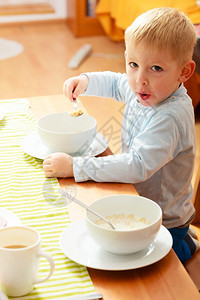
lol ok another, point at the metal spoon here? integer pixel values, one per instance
(75, 104)
(76, 112)
(64, 193)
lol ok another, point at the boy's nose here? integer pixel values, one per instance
(141, 78)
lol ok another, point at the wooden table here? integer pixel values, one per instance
(166, 279)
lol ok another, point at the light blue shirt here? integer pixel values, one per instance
(158, 148)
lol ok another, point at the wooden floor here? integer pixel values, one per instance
(42, 68)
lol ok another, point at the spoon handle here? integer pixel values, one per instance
(64, 193)
(75, 104)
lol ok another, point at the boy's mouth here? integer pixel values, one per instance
(144, 96)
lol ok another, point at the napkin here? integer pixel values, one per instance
(35, 200)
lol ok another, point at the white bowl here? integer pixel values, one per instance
(126, 241)
(61, 132)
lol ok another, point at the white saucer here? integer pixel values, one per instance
(76, 244)
(9, 216)
(32, 145)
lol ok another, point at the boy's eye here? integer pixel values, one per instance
(157, 68)
(133, 65)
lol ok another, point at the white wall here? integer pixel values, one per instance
(60, 7)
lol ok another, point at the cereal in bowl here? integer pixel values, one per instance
(123, 222)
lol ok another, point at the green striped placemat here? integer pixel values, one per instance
(35, 200)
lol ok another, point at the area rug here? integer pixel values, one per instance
(9, 48)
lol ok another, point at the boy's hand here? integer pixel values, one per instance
(58, 165)
(75, 86)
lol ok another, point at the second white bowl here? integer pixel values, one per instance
(61, 132)
(125, 241)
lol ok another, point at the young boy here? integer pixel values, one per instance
(158, 136)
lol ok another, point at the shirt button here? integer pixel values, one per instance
(173, 98)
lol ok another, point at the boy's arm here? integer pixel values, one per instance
(103, 84)
(148, 152)
(108, 84)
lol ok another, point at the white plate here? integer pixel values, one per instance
(2, 114)
(32, 145)
(76, 244)
(11, 218)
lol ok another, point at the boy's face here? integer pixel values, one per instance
(152, 74)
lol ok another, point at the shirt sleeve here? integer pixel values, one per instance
(156, 145)
(109, 85)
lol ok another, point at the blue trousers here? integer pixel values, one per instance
(180, 246)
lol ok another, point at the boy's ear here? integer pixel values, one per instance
(187, 71)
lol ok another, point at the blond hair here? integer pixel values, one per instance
(165, 28)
